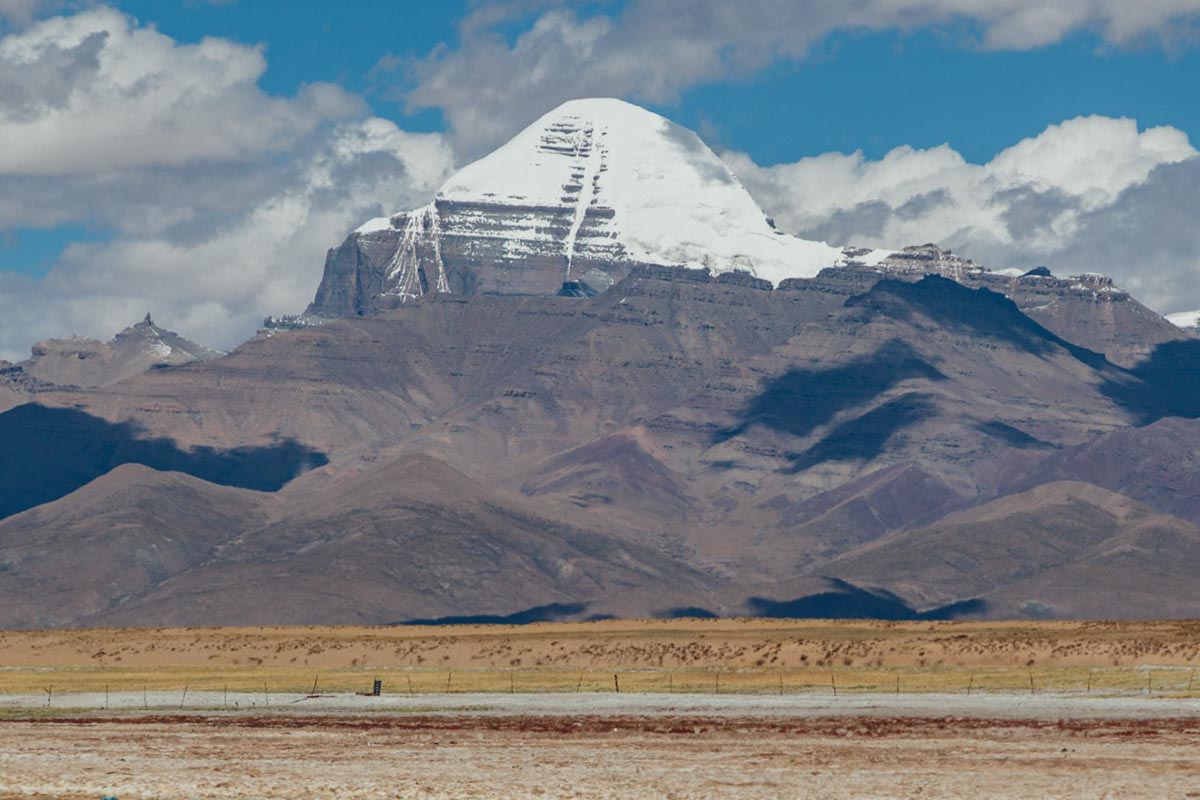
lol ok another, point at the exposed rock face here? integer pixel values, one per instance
(16, 386)
(589, 191)
(480, 248)
(460, 248)
(682, 439)
(1088, 310)
(597, 188)
(591, 376)
(76, 361)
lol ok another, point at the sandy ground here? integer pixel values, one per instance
(650, 747)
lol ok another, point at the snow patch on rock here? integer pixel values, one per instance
(1185, 319)
(375, 225)
(672, 200)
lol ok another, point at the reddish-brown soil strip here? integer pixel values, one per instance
(867, 727)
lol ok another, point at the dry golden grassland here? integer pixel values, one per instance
(727, 656)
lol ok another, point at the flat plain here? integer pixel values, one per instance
(705, 708)
(707, 656)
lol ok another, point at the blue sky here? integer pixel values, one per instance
(780, 86)
(868, 91)
(317, 41)
(877, 92)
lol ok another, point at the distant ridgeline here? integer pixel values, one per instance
(590, 379)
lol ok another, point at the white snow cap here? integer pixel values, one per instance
(673, 200)
(374, 225)
(1185, 319)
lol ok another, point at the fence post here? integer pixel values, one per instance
(833, 683)
(616, 684)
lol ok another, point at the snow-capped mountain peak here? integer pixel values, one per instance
(583, 194)
(672, 200)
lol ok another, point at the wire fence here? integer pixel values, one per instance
(1180, 681)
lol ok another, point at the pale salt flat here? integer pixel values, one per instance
(992, 705)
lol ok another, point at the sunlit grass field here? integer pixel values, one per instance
(682, 656)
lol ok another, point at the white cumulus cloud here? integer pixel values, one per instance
(1091, 194)
(216, 200)
(93, 92)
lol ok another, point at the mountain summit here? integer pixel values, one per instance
(587, 191)
(77, 361)
(638, 186)
(905, 434)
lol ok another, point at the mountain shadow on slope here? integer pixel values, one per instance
(844, 601)
(865, 437)
(982, 312)
(47, 453)
(1168, 384)
(554, 612)
(1013, 437)
(801, 400)
(686, 612)
(847, 601)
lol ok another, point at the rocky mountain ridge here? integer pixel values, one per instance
(78, 361)
(546, 395)
(1087, 309)
(598, 188)
(589, 191)
(714, 441)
